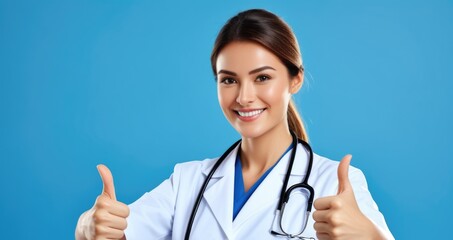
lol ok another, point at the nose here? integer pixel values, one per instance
(246, 94)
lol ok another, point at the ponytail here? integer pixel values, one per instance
(295, 122)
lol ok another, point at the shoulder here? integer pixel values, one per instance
(192, 170)
(325, 171)
(325, 165)
(195, 165)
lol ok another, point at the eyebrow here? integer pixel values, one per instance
(251, 72)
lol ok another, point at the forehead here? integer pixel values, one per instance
(243, 56)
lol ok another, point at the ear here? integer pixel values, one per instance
(296, 82)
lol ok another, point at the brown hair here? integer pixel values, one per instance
(270, 31)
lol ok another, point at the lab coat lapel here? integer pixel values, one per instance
(220, 192)
(266, 196)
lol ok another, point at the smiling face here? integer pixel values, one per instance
(254, 89)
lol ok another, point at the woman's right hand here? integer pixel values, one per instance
(107, 218)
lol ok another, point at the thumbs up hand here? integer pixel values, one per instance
(107, 218)
(339, 216)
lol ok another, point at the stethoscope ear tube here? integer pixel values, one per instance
(290, 167)
(203, 188)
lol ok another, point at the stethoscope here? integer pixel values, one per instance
(284, 194)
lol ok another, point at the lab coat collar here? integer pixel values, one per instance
(220, 191)
(224, 168)
(268, 192)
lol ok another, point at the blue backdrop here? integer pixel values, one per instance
(129, 84)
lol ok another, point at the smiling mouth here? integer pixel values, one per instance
(250, 113)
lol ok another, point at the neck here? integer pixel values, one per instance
(259, 153)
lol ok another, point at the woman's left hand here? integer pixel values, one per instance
(339, 216)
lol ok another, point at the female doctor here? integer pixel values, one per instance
(264, 185)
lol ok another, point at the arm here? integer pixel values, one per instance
(151, 216)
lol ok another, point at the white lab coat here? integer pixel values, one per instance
(163, 213)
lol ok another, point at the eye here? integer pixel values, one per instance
(227, 81)
(262, 78)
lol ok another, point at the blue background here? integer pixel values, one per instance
(129, 84)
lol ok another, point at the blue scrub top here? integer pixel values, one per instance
(240, 195)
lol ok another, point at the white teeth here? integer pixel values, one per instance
(250, 114)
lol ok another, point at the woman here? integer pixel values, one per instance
(258, 67)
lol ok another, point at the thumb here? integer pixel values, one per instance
(343, 178)
(107, 181)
